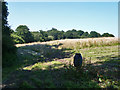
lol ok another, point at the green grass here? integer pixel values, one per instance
(53, 68)
(25, 84)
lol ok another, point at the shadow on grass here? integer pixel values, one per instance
(67, 76)
(56, 46)
(29, 55)
(110, 67)
(62, 77)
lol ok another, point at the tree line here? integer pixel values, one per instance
(22, 34)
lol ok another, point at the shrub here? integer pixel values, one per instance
(50, 38)
(17, 39)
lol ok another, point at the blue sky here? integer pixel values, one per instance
(87, 16)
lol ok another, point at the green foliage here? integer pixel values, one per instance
(85, 35)
(17, 39)
(94, 34)
(55, 34)
(107, 35)
(69, 34)
(8, 48)
(73, 34)
(5, 28)
(80, 32)
(9, 59)
(50, 38)
(43, 35)
(36, 36)
(23, 31)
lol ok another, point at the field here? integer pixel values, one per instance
(50, 64)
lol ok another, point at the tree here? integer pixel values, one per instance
(23, 31)
(36, 36)
(8, 47)
(73, 34)
(69, 34)
(61, 35)
(55, 33)
(80, 32)
(107, 35)
(85, 35)
(111, 35)
(43, 35)
(94, 34)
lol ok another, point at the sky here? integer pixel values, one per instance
(87, 16)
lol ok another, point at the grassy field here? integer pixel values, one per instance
(50, 65)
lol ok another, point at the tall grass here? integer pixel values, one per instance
(80, 43)
(90, 42)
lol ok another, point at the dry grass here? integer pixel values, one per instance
(78, 43)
